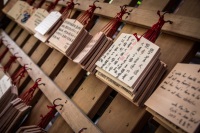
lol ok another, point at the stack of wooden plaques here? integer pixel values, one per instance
(93, 51)
(13, 115)
(133, 65)
(176, 100)
(30, 129)
(70, 38)
(7, 97)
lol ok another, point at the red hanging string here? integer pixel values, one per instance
(153, 33)
(8, 65)
(28, 95)
(48, 117)
(17, 76)
(66, 13)
(87, 15)
(52, 5)
(112, 26)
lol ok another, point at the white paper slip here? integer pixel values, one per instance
(5, 84)
(48, 22)
(37, 17)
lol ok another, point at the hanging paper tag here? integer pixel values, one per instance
(48, 22)
(66, 34)
(37, 17)
(177, 97)
(127, 59)
(5, 84)
(95, 40)
(18, 9)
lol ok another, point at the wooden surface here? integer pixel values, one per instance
(50, 91)
(88, 93)
(146, 18)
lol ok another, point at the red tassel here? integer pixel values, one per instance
(87, 15)
(28, 95)
(8, 65)
(48, 117)
(66, 13)
(52, 5)
(153, 33)
(17, 76)
(112, 26)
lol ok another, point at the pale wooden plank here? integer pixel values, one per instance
(89, 93)
(9, 27)
(120, 2)
(173, 49)
(120, 116)
(178, 28)
(189, 8)
(39, 52)
(2, 49)
(9, 5)
(69, 76)
(70, 112)
(29, 44)
(6, 58)
(22, 37)
(15, 32)
(153, 4)
(51, 62)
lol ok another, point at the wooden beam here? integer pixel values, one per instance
(70, 112)
(187, 27)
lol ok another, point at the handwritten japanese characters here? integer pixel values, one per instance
(37, 17)
(18, 9)
(178, 97)
(66, 34)
(127, 59)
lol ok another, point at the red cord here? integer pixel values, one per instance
(87, 15)
(8, 65)
(17, 76)
(48, 117)
(112, 26)
(28, 95)
(153, 33)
